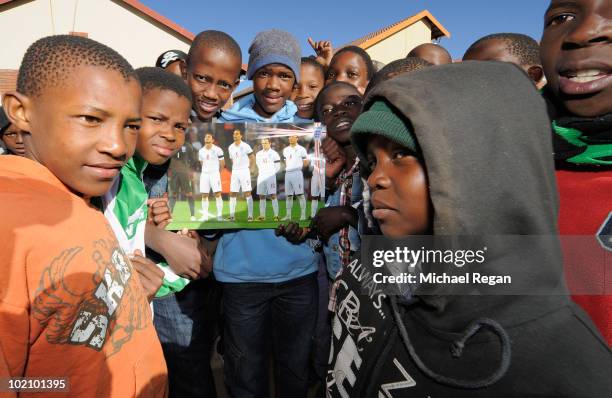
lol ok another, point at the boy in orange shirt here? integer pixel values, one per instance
(71, 304)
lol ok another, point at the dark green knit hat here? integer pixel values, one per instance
(380, 119)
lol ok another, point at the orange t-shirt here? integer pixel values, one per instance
(71, 304)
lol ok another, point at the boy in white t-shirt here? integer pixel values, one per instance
(296, 159)
(268, 164)
(211, 157)
(242, 158)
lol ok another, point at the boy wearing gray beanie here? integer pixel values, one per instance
(269, 285)
(274, 68)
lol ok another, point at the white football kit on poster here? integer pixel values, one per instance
(317, 182)
(241, 175)
(294, 177)
(268, 164)
(210, 177)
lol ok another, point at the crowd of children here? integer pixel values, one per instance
(514, 140)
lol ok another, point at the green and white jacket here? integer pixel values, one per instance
(125, 207)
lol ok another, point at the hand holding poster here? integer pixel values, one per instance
(246, 175)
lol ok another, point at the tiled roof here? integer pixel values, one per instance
(8, 80)
(437, 30)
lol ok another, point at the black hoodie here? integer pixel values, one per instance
(485, 141)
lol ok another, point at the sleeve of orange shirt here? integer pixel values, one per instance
(4, 371)
(14, 332)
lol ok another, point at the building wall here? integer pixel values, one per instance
(137, 37)
(399, 44)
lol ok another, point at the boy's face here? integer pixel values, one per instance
(13, 139)
(208, 140)
(306, 91)
(293, 140)
(272, 87)
(265, 143)
(576, 51)
(351, 68)
(212, 75)
(400, 197)
(339, 108)
(237, 136)
(165, 116)
(83, 131)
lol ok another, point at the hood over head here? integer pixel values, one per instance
(485, 139)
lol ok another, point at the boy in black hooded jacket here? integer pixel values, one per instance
(441, 163)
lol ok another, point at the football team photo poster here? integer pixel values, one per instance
(246, 175)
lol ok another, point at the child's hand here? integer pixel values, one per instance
(151, 277)
(188, 256)
(335, 158)
(323, 49)
(159, 212)
(205, 248)
(292, 232)
(330, 220)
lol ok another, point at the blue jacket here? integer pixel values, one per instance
(243, 111)
(260, 255)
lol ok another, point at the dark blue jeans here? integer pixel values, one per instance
(186, 326)
(269, 317)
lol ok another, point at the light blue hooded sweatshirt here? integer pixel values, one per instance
(242, 112)
(260, 255)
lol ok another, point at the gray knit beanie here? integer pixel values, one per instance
(274, 47)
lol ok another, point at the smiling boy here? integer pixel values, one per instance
(274, 68)
(576, 51)
(214, 64)
(70, 302)
(186, 319)
(308, 87)
(269, 285)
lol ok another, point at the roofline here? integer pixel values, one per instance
(159, 18)
(402, 25)
(134, 4)
(138, 6)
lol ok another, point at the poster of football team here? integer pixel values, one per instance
(247, 175)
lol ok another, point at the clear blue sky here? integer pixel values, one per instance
(343, 21)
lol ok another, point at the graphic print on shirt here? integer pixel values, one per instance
(79, 310)
(348, 357)
(604, 235)
(357, 295)
(348, 314)
(386, 390)
(366, 278)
